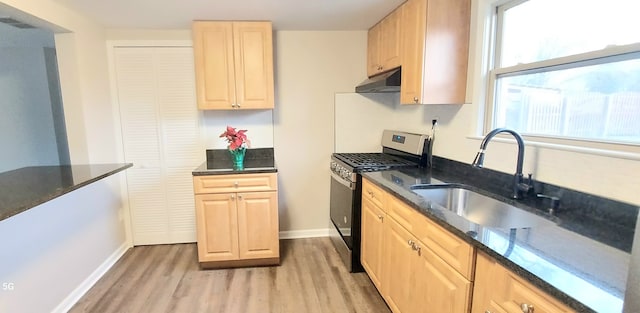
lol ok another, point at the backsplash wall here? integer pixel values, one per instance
(258, 123)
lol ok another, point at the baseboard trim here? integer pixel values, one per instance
(82, 289)
(307, 233)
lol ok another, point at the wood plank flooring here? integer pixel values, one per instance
(167, 278)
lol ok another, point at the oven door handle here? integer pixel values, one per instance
(344, 182)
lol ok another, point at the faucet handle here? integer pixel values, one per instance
(555, 202)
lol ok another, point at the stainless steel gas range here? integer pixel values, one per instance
(399, 149)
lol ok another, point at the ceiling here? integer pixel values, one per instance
(285, 14)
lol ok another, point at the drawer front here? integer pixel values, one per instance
(519, 292)
(374, 193)
(235, 183)
(402, 213)
(453, 250)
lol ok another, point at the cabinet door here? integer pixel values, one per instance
(397, 266)
(372, 241)
(438, 287)
(414, 15)
(373, 50)
(253, 46)
(216, 218)
(258, 225)
(435, 51)
(390, 41)
(446, 51)
(214, 64)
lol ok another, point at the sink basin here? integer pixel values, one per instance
(475, 207)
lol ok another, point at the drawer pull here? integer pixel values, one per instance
(527, 308)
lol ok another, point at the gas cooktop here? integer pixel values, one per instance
(364, 161)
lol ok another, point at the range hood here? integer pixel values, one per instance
(386, 82)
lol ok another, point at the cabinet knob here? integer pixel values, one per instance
(233, 105)
(233, 197)
(239, 197)
(527, 308)
(235, 184)
(237, 105)
(411, 243)
(380, 217)
(415, 99)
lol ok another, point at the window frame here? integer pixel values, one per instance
(494, 72)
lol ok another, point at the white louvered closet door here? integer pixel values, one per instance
(162, 138)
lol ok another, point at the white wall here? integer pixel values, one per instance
(52, 250)
(258, 123)
(310, 68)
(26, 123)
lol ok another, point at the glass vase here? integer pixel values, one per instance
(237, 158)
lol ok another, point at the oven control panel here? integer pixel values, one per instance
(342, 171)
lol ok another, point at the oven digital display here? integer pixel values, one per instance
(398, 138)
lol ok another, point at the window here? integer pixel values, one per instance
(567, 69)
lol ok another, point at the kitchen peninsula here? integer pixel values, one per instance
(28, 187)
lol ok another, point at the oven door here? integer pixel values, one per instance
(343, 195)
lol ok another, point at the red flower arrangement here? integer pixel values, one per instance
(236, 138)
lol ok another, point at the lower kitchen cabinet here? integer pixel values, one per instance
(498, 290)
(417, 279)
(412, 277)
(237, 228)
(373, 219)
(398, 262)
(438, 287)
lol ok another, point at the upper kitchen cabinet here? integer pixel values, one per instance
(435, 51)
(233, 65)
(383, 44)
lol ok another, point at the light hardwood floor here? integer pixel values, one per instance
(167, 278)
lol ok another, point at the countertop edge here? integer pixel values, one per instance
(525, 274)
(57, 193)
(232, 172)
(202, 170)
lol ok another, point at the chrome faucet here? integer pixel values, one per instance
(519, 186)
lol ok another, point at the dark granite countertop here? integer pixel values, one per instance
(259, 160)
(27, 187)
(586, 270)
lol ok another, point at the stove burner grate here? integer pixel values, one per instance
(372, 161)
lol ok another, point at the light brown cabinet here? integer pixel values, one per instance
(411, 276)
(399, 258)
(233, 65)
(383, 44)
(237, 220)
(373, 219)
(435, 51)
(498, 290)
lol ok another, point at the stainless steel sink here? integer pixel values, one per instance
(475, 207)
